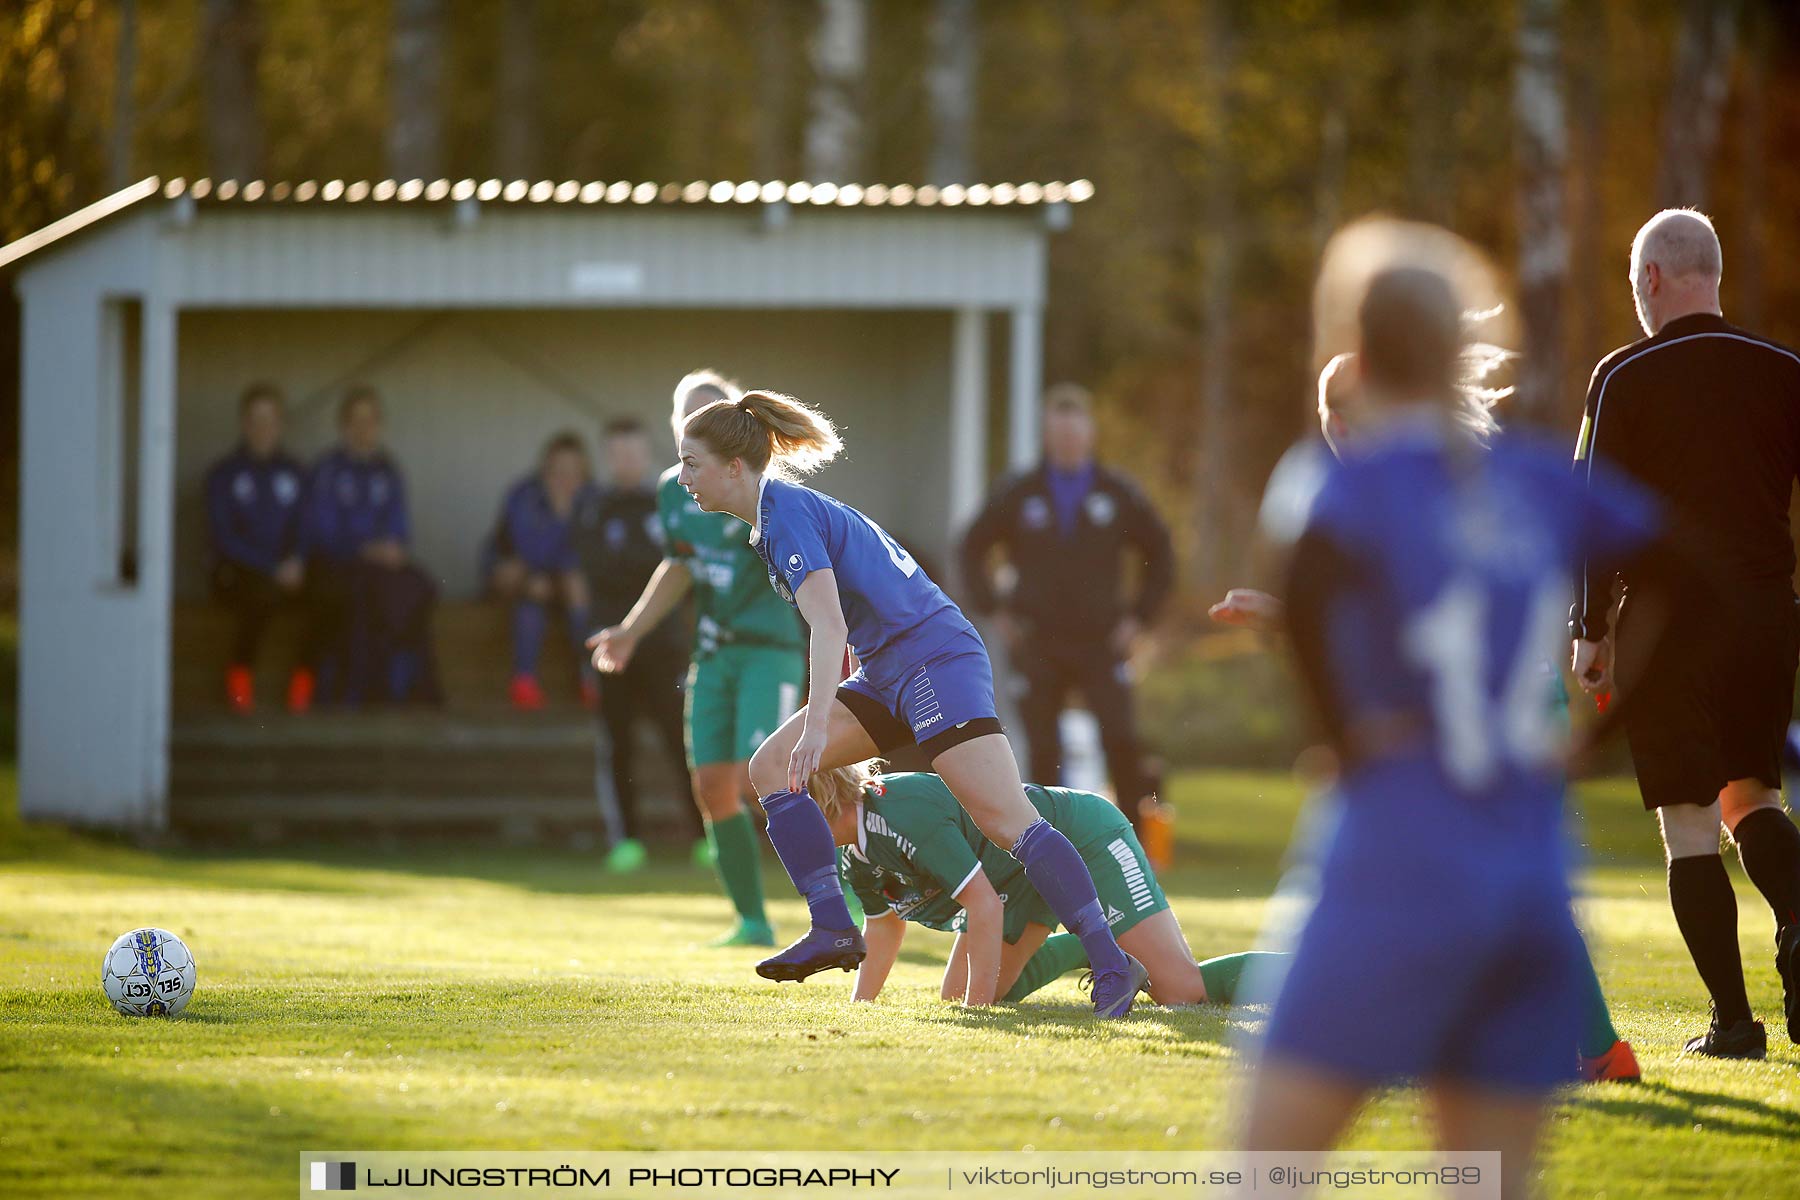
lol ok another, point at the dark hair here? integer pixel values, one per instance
(1069, 397)
(1411, 326)
(623, 427)
(565, 441)
(260, 392)
(357, 396)
(769, 431)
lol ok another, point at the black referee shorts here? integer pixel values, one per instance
(1715, 703)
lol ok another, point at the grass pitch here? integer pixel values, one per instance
(450, 997)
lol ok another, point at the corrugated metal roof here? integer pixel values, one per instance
(546, 191)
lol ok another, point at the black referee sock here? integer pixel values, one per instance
(1768, 845)
(1706, 910)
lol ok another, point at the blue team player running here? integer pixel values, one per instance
(924, 679)
(1427, 583)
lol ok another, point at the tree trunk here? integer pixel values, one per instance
(950, 85)
(1690, 135)
(834, 131)
(516, 91)
(1747, 276)
(1334, 158)
(123, 134)
(1594, 258)
(231, 32)
(1542, 145)
(774, 91)
(415, 90)
(1211, 559)
(1425, 97)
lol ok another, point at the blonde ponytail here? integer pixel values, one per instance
(771, 432)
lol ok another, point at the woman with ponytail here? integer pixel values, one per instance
(748, 669)
(924, 680)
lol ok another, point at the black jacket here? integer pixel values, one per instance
(618, 538)
(1071, 582)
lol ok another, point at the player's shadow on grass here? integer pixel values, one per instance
(1206, 1029)
(1663, 1103)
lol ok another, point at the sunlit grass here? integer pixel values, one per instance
(458, 997)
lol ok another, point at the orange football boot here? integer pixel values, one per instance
(1617, 1065)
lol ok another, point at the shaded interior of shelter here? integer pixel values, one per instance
(469, 398)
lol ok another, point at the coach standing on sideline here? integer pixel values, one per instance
(1070, 528)
(1708, 416)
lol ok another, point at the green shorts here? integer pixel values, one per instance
(1128, 888)
(736, 697)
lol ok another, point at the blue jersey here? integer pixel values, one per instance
(895, 614)
(530, 530)
(1433, 583)
(253, 509)
(351, 502)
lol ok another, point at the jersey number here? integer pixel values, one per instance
(1448, 640)
(896, 552)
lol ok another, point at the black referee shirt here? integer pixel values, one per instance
(1707, 416)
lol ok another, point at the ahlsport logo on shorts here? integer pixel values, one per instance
(926, 711)
(334, 1177)
(1135, 883)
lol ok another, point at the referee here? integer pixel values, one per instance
(1708, 416)
(1071, 530)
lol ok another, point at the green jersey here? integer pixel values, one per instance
(916, 848)
(732, 597)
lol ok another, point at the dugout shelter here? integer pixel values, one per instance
(488, 315)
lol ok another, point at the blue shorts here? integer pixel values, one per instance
(1483, 986)
(945, 700)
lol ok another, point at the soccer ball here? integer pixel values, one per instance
(148, 973)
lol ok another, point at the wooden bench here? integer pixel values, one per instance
(472, 766)
(474, 654)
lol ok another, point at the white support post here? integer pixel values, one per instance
(1026, 381)
(968, 415)
(156, 541)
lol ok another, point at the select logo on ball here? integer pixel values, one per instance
(148, 973)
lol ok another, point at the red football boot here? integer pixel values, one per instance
(526, 693)
(240, 688)
(300, 690)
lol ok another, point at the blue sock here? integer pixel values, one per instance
(1055, 869)
(403, 671)
(528, 622)
(803, 842)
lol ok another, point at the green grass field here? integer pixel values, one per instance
(448, 997)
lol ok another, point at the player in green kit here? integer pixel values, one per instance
(749, 668)
(912, 854)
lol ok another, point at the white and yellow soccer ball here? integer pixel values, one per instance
(148, 973)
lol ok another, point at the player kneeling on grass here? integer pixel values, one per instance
(912, 853)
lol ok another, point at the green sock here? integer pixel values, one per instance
(1060, 954)
(858, 917)
(1222, 974)
(1597, 1032)
(739, 862)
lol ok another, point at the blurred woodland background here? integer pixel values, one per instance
(1225, 140)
